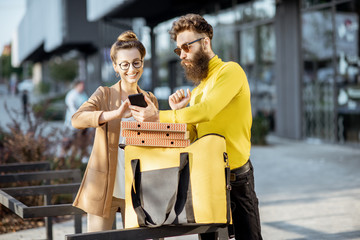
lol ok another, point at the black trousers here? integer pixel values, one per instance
(244, 208)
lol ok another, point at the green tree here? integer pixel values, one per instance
(7, 69)
(63, 70)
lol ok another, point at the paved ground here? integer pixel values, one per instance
(306, 191)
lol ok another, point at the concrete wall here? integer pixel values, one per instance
(288, 69)
(41, 24)
(97, 9)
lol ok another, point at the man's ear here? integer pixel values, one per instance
(207, 44)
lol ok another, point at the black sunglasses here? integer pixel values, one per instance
(185, 47)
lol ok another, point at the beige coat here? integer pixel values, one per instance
(96, 190)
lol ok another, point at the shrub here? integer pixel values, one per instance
(43, 87)
(51, 109)
(260, 129)
(35, 140)
(28, 144)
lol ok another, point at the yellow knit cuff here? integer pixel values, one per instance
(167, 116)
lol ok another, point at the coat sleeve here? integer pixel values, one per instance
(89, 112)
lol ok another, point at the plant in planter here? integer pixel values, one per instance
(260, 129)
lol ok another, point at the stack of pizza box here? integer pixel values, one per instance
(155, 134)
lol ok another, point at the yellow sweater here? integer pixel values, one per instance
(220, 104)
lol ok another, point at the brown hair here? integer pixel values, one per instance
(192, 22)
(127, 40)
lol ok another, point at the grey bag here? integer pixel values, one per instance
(162, 196)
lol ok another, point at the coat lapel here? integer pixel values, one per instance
(114, 103)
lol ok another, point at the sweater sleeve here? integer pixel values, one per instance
(226, 86)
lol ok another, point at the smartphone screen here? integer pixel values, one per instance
(137, 100)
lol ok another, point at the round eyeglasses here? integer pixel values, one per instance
(185, 47)
(126, 65)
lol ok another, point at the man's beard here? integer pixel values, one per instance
(199, 68)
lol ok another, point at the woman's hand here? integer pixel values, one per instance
(148, 114)
(178, 100)
(122, 112)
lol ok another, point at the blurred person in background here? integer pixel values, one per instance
(25, 103)
(73, 100)
(102, 191)
(13, 84)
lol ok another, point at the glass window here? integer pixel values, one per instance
(255, 10)
(267, 44)
(247, 47)
(224, 46)
(331, 82)
(310, 3)
(257, 57)
(318, 75)
(264, 9)
(348, 80)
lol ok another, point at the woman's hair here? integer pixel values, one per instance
(192, 22)
(127, 40)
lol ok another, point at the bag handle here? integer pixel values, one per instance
(135, 195)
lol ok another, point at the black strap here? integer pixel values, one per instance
(135, 192)
(228, 188)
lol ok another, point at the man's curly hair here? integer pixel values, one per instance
(192, 22)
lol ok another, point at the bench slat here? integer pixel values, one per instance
(14, 167)
(41, 175)
(43, 189)
(51, 211)
(24, 211)
(150, 233)
(11, 203)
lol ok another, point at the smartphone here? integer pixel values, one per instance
(137, 100)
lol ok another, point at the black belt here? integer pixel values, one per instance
(239, 171)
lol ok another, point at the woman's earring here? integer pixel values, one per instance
(117, 74)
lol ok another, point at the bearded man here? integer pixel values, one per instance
(219, 104)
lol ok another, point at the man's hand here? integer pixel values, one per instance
(148, 114)
(178, 99)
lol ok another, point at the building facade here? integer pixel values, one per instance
(301, 57)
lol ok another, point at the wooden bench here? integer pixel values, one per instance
(33, 166)
(154, 233)
(39, 171)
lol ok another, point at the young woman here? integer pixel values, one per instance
(101, 192)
